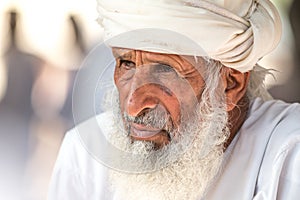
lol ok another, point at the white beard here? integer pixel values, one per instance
(185, 178)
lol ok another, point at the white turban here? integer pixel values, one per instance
(235, 32)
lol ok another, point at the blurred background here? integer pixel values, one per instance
(42, 44)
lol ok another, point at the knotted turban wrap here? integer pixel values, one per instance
(235, 32)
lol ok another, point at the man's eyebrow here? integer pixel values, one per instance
(123, 55)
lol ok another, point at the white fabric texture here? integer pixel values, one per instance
(235, 32)
(263, 164)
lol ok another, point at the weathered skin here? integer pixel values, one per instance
(172, 84)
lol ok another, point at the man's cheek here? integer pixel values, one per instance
(122, 102)
(116, 74)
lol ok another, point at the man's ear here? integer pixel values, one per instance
(235, 86)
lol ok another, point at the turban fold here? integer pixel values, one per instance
(235, 32)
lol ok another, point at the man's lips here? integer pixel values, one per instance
(158, 136)
(140, 131)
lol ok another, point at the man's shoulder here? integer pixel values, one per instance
(268, 140)
(275, 115)
(278, 121)
(78, 174)
(279, 171)
(278, 107)
(283, 121)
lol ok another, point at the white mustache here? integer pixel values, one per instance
(153, 118)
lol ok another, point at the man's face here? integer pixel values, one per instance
(164, 100)
(157, 92)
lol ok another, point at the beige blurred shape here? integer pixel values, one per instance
(281, 59)
(3, 80)
(49, 91)
(45, 29)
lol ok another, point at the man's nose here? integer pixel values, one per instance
(144, 87)
(148, 92)
(142, 98)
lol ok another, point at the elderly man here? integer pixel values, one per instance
(190, 118)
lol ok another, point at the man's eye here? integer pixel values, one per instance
(163, 68)
(126, 64)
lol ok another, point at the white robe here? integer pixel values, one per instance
(263, 161)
